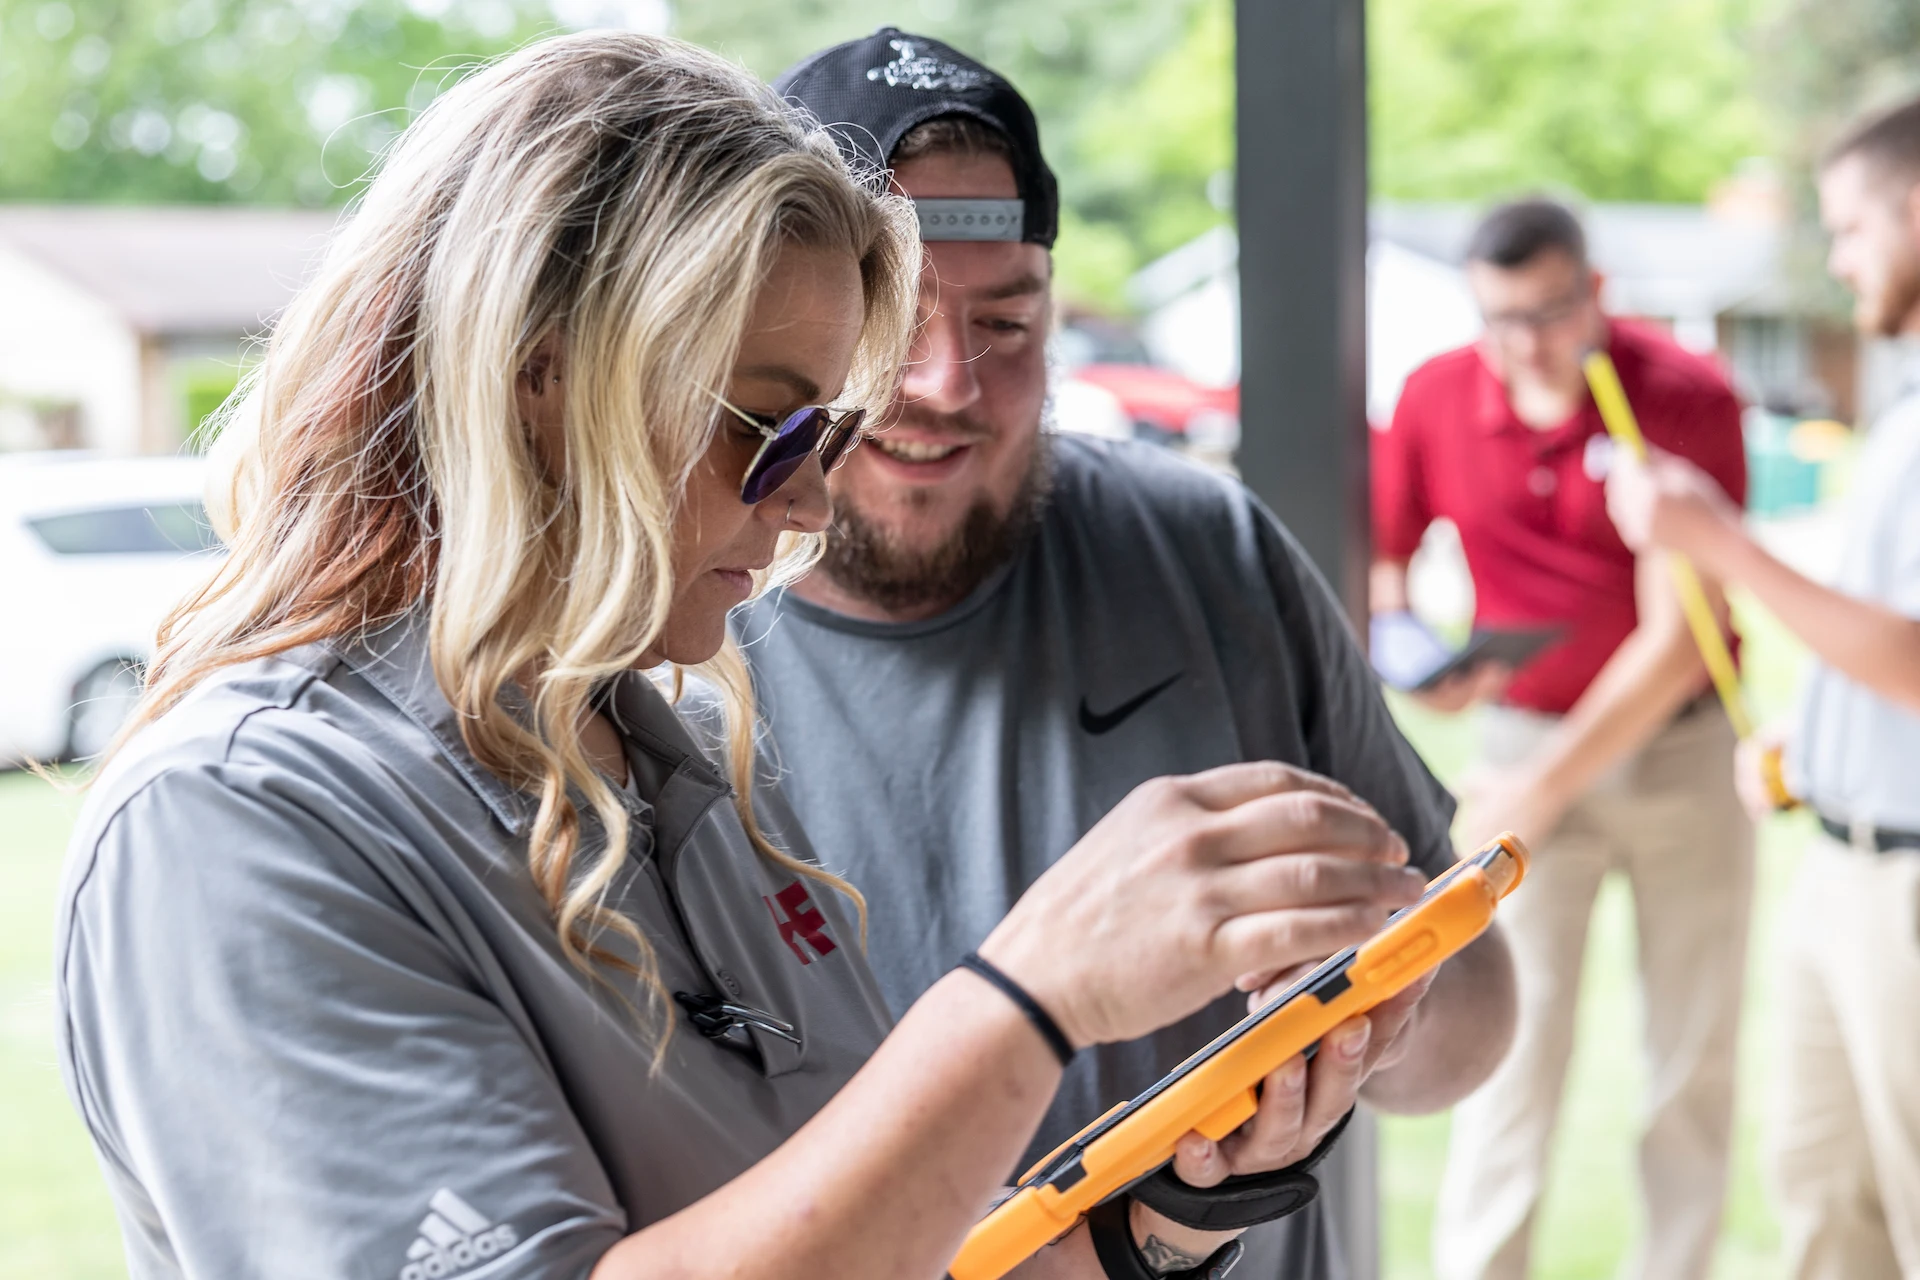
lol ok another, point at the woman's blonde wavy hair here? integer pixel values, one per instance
(628, 194)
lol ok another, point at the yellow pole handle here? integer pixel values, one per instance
(1611, 399)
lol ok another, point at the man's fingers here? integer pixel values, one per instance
(1389, 1019)
(1626, 467)
(1490, 681)
(1275, 939)
(1265, 984)
(1334, 1083)
(1306, 821)
(1398, 1008)
(1315, 880)
(1271, 1140)
(1232, 785)
(1199, 1162)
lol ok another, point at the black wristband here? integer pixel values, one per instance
(1110, 1227)
(1042, 1020)
(1238, 1202)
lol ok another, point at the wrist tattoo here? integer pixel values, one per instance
(1166, 1258)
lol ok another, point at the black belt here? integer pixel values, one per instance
(1866, 836)
(1699, 702)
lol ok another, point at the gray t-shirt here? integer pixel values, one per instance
(1853, 757)
(1161, 621)
(316, 1017)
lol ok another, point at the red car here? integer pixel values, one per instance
(1167, 408)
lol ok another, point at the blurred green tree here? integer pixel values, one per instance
(1824, 61)
(1155, 156)
(290, 101)
(269, 101)
(1629, 100)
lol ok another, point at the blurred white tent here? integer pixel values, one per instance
(1190, 304)
(1417, 307)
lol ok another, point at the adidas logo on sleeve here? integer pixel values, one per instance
(453, 1237)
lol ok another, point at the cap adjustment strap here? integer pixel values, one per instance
(942, 219)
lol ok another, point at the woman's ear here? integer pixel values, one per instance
(539, 396)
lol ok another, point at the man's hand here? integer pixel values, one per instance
(1481, 682)
(1300, 1103)
(1751, 770)
(1669, 503)
(1386, 1043)
(1508, 800)
(1192, 881)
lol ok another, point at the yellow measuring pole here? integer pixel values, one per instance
(1611, 399)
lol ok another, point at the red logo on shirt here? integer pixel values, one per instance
(803, 922)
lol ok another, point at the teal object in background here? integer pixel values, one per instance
(1779, 480)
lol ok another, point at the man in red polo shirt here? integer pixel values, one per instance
(1605, 752)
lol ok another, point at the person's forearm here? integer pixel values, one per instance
(1647, 680)
(1865, 641)
(1387, 586)
(883, 1183)
(1461, 1032)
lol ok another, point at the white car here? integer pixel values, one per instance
(94, 552)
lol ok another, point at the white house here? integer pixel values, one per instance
(114, 321)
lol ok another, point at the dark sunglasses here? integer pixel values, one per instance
(788, 441)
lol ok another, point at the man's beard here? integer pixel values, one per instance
(1899, 296)
(863, 559)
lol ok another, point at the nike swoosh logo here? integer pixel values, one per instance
(1098, 722)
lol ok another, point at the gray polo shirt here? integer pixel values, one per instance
(317, 1019)
(1159, 622)
(1854, 756)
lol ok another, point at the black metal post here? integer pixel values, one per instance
(1301, 195)
(1300, 183)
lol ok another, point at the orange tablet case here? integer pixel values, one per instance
(1217, 1089)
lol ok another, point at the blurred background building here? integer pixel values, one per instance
(123, 327)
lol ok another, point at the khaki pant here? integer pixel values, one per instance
(1846, 1143)
(1669, 819)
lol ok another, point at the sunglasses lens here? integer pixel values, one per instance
(783, 455)
(840, 438)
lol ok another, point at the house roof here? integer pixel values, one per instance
(1660, 259)
(177, 270)
(1664, 260)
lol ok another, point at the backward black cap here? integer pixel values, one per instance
(872, 92)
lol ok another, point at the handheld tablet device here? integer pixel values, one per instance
(1217, 1089)
(1412, 658)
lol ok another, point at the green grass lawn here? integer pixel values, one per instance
(56, 1223)
(55, 1220)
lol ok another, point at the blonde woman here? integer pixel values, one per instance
(413, 932)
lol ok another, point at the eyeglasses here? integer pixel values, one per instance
(787, 442)
(1556, 312)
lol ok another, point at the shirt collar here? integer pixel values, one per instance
(1490, 409)
(1908, 366)
(395, 659)
(651, 726)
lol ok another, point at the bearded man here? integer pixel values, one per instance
(1845, 1133)
(1010, 630)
